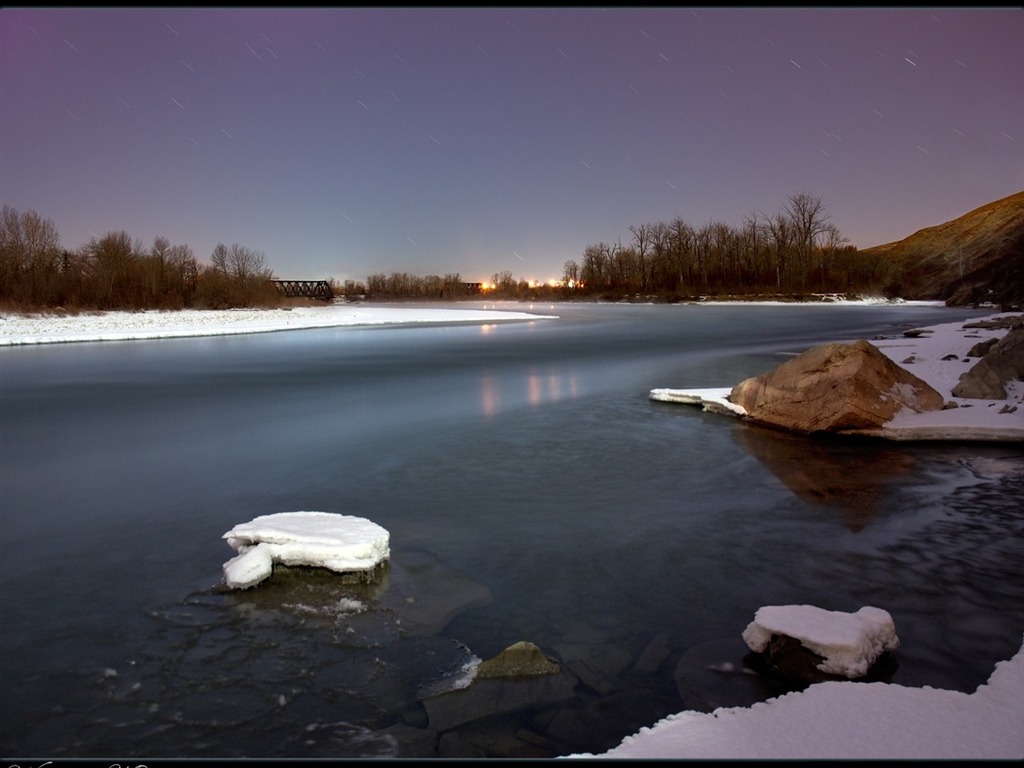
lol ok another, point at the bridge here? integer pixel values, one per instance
(312, 289)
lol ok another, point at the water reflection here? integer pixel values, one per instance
(828, 471)
(414, 595)
(540, 389)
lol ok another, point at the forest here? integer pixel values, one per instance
(116, 271)
(796, 252)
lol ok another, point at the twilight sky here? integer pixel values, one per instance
(348, 141)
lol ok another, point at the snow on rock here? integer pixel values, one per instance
(938, 356)
(849, 642)
(341, 543)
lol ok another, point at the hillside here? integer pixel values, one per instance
(976, 258)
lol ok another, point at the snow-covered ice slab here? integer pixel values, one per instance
(341, 543)
(715, 400)
(849, 642)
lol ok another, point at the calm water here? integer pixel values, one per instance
(532, 492)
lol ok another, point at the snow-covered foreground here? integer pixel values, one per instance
(161, 324)
(850, 720)
(842, 720)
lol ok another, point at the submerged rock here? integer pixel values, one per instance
(498, 696)
(518, 660)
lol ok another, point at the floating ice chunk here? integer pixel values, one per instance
(849, 642)
(341, 543)
(249, 568)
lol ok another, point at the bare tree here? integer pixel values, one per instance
(376, 284)
(571, 274)
(755, 237)
(784, 239)
(238, 276)
(681, 238)
(246, 265)
(595, 273)
(114, 266)
(809, 221)
(30, 256)
(643, 239)
(454, 286)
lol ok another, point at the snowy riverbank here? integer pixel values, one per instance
(938, 355)
(53, 328)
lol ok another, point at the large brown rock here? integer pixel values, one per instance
(834, 388)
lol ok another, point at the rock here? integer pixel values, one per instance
(787, 658)
(981, 348)
(427, 595)
(812, 645)
(653, 655)
(598, 666)
(491, 697)
(714, 674)
(518, 660)
(834, 388)
(349, 545)
(1002, 362)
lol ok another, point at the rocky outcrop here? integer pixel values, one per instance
(1000, 362)
(834, 388)
(973, 259)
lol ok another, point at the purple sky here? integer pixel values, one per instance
(343, 142)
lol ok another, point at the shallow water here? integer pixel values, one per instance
(532, 492)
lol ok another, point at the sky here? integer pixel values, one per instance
(344, 142)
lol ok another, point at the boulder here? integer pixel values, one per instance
(834, 388)
(810, 644)
(1001, 362)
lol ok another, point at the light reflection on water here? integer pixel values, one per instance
(536, 390)
(532, 492)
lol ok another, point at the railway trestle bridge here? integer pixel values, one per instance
(311, 289)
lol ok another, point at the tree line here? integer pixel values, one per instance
(795, 251)
(116, 271)
(402, 285)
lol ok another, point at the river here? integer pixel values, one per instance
(533, 492)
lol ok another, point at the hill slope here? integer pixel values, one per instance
(976, 258)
